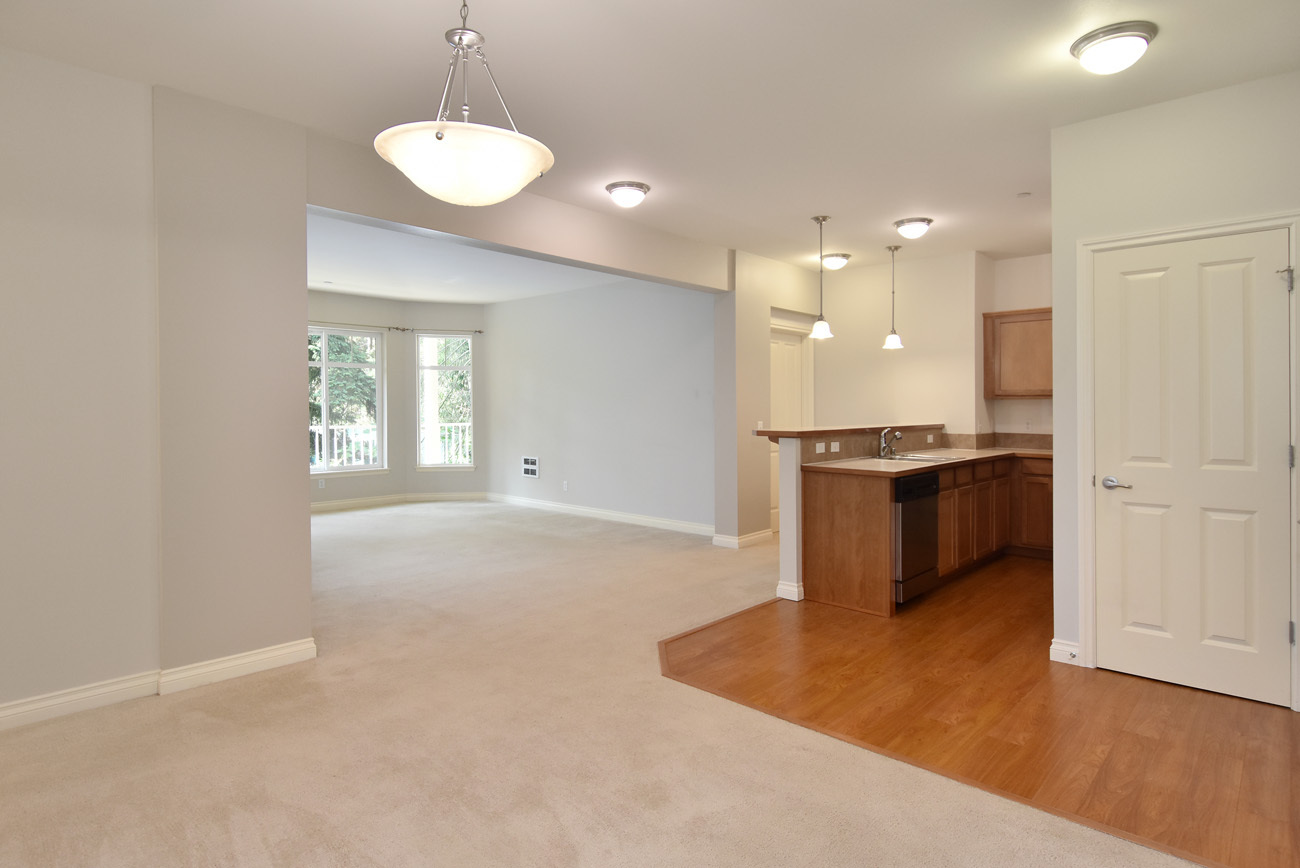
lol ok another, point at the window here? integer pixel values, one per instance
(446, 417)
(345, 399)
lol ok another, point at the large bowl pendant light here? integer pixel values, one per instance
(461, 162)
(821, 328)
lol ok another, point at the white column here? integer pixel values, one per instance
(790, 460)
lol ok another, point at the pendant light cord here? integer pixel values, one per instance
(892, 249)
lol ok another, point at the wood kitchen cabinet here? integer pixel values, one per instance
(975, 502)
(1018, 353)
(1031, 532)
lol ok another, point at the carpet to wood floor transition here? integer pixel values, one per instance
(960, 683)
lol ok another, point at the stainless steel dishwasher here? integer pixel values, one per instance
(916, 535)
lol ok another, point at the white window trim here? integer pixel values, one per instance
(473, 392)
(381, 404)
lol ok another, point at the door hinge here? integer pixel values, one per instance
(1289, 274)
(1291, 454)
(1293, 632)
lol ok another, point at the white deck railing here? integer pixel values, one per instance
(358, 446)
(347, 446)
(453, 445)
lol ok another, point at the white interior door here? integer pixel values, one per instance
(1192, 410)
(787, 401)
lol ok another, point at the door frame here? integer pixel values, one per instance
(1085, 403)
(791, 322)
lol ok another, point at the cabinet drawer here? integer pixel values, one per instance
(962, 475)
(1002, 467)
(983, 471)
(945, 479)
(1036, 466)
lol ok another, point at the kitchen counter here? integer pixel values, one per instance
(894, 468)
(802, 450)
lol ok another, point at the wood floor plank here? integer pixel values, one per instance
(959, 682)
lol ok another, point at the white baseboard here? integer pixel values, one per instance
(606, 514)
(741, 542)
(393, 500)
(223, 668)
(59, 703)
(1065, 652)
(357, 503)
(441, 496)
(789, 591)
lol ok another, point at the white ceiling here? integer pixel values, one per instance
(746, 117)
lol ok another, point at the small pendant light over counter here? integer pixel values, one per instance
(892, 340)
(821, 329)
(461, 162)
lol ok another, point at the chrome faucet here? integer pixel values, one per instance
(887, 448)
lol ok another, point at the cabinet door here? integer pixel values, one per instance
(1001, 512)
(947, 532)
(965, 535)
(984, 519)
(1018, 353)
(1036, 511)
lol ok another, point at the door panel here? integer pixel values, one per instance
(1192, 409)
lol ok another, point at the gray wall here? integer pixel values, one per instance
(1224, 155)
(232, 241)
(79, 424)
(612, 390)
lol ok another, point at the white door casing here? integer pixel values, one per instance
(1191, 407)
(786, 401)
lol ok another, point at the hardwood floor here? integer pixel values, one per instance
(959, 683)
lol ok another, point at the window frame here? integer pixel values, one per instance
(381, 427)
(419, 370)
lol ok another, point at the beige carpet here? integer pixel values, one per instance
(488, 693)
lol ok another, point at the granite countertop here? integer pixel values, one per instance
(945, 458)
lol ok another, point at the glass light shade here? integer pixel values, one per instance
(1113, 55)
(464, 163)
(627, 194)
(821, 330)
(913, 227)
(835, 261)
(893, 341)
(1110, 49)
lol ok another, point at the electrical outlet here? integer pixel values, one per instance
(835, 446)
(821, 447)
(566, 485)
(320, 483)
(929, 438)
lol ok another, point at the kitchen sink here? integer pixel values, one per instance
(929, 459)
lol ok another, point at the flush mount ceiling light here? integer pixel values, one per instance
(892, 340)
(457, 161)
(821, 329)
(913, 227)
(627, 194)
(1110, 49)
(835, 261)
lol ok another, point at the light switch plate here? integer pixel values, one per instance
(835, 446)
(821, 447)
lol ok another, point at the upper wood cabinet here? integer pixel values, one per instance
(1018, 353)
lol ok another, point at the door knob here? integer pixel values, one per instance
(1110, 482)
